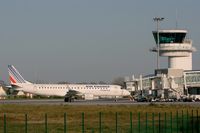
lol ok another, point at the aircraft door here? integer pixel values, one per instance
(35, 88)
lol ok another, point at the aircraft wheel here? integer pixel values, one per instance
(66, 99)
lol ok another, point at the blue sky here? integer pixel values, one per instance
(88, 40)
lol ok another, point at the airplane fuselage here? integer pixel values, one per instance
(63, 89)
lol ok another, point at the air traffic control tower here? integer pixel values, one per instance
(178, 80)
(174, 45)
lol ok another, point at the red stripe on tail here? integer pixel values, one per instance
(12, 79)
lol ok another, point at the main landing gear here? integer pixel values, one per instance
(69, 99)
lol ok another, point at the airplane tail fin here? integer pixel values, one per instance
(15, 76)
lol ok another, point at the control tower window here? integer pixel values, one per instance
(170, 37)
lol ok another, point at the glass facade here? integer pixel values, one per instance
(194, 90)
(193, 78)
(170, 37)
(146, 83)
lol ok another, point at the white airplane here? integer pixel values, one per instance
(88, 91)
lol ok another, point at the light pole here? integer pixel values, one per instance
(157, 19)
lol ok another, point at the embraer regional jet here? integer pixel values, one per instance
(88, 91)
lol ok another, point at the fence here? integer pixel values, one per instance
(130, 122)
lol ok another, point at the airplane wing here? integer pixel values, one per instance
(73, 93)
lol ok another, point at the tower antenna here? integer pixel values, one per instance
(176, 18)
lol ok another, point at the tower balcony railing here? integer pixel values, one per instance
(174, 48)
(188, 41)
(178, 48)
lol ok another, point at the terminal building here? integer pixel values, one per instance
(178, 80)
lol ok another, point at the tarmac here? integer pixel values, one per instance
(89, 102)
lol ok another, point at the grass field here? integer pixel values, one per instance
(90, 116)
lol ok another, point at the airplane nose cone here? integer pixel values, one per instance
(126, 93)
